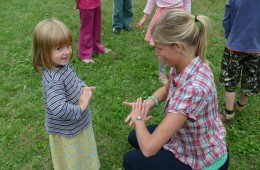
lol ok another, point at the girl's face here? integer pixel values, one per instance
(61, 55)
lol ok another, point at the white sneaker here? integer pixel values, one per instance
(88, 61)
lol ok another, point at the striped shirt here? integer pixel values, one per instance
(185, 4)
(62, 89)
(201, 139)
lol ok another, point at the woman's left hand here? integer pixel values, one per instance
(138, 109)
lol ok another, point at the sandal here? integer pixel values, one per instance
(238, 107)
(226, 118)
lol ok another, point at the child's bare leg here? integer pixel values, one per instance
(243, 99)
(230, 100)
(162, 73)
(239, 106)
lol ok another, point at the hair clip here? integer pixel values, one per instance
(196, 19)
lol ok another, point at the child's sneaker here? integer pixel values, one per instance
(226, 118)
(238, 107)
(116, 30)
(127, 28)
(88, 61)
(162, 77)
(107, 50)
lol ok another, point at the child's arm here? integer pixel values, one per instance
(56, 102)
(143, 20)
(149, 6)
(85, 97)
(187, 5)
(227, 19)
(147, 11)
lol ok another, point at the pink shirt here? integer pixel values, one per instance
(89, 4)
(201, 139)
(185, 4)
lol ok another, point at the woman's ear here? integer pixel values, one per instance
(178, 47)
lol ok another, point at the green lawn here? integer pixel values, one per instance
(129, 72)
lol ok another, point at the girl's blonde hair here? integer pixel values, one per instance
(48, 35)
(177, 26)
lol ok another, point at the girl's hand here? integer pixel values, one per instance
(85, 97)
(142, 21)
(92, 88)
(138, 109)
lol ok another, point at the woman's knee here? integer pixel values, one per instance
(130, 159)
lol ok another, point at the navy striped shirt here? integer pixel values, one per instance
(62, 89)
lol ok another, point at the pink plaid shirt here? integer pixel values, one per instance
(201, 139)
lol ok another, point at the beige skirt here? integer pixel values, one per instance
(78, 152)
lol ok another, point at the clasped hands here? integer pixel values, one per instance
(139, 108)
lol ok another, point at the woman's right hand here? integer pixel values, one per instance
(142, 21)
(149, 104)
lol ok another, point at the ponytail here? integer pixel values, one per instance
(203, 36)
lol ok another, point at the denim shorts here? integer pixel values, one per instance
(240, 65)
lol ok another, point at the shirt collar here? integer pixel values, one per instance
(184, 75)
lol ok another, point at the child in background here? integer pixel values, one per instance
(90, 29)
(191, 135)
(162, 6)
(241, 55)
(122, 15)
(67, 115)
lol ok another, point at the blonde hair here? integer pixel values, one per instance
(178, 26)
(48, 35)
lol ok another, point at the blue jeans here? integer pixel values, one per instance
(163, 160)
(123, 13)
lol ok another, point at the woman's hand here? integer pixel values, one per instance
(139, 108)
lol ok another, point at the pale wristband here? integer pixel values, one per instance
(155, 99)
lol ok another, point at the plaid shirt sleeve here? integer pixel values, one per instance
(188, 100)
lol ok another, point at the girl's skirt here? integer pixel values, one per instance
(77, 152)
(159, 11)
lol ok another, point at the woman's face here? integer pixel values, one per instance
(169, 52)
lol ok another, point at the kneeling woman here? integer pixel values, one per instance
(191, 135)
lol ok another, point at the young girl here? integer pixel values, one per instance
(90, 29)
(162, 6)
(67, 115)
(191, 135)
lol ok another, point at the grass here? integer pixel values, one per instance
(129, 72)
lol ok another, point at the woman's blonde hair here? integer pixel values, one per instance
(177, 26)
(48, 35)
